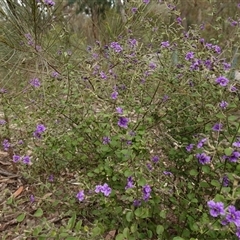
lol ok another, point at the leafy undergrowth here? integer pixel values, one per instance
(130, 140)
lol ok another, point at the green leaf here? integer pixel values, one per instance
(78, 226)
(63, 235)
(228, 151)
(215, 183)
(96, 231)
(232, 118)
(138, 212)
(129, 216)
(160, 229)
(199, 119)
(134, 228)
(206, 169)
(190, 157)
(71, 222)
(21, 217)
(120, 236)
(220, 116)
(204, 184)
(150, 234)
(90, 174)
(38, 213)
(142, 181)
(163, 214)
(128, 173)
(193, 172)
(219, 198)
(126, 233)
(178, 238)
(10, 200)
(145, 213)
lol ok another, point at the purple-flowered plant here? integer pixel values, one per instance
(203, 158)
(80, 196)
(123, 122)
(216, 208)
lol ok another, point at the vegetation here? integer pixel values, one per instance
(128, 132)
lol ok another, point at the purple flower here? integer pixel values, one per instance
(216, 208)
(133, 42)
(238, 5)
(155, 159)
(189, 147)
(225, 181)
(132, 133)
(16, 158)
(98, 188)
(130, 183)
(165, 44)
(119, 110)
(106, 140)
(28, 36)
(134, 10)
(3, 90)
(149, 166)
(208, 46)
(39, 130)
(217, 49)
(2, 122)
(226, 66)
(55, 74)
(116, 46)
(223, 104)
(208, 64)
(238, 229)
(50, 3)
(114, 95)
(6, 145)
(195, 64)
(203, 158)
(146, 1)
(201, 143)
(95, 55)
(189, 56)
(165, 98)
(217, 127)
(103, 75)
(236, 144)
(167, 173)
(136, 203)
(106, 190)
(233, 22)
(234, 156)
(123, 122)
(32, 198)
(80, 196)
(51, 178)
(152, 65)
(233, 216)
(146, 192)
(233, 89)
(222, 81)
(35, 82)
(179, 20)
(26, 160)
